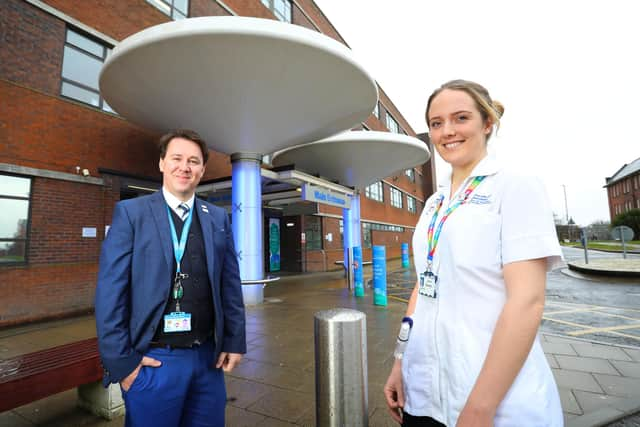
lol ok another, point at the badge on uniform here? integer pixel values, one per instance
(428, 284)
(177, 321)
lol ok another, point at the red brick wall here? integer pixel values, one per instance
(38, 292)
(206, 8)
(116, 19)
(60, 276)
(48, 132)
(31, 43)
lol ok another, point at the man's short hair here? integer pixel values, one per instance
(165, 139)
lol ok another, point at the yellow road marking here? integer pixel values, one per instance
(397, 298)
(604, 329)
(564, 322)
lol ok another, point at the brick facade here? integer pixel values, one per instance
(39, 129)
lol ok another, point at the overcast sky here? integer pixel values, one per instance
(566, 71)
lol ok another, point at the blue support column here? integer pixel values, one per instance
(246, 217)
(352, 239)
(347, 242)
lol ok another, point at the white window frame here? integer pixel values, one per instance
(396, 197)
(411, 204)
(284, 16)
(375, 191)
(67, 84)
(169, 8)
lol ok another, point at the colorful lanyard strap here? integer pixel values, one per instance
(432, 238)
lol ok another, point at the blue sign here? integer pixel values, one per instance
(358, 279)
(314, 193)
(405, 255)
(379, 276)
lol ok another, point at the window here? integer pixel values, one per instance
(374, 191)
(175, 9)
(411, 204)
(366, 235)
(280, 8)
(368, 226)
(15, 193)
(396, 198)
(376, 110)
(81, 64)
(392, 124)
(410, 173)
(313, 232)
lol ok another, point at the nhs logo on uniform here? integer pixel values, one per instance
(480, 199)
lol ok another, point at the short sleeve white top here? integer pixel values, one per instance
(506, 219)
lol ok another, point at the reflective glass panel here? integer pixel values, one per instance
(14, 186)
(80, 94)
(14, 219)
(12, 251)
(182, 6)
(85, 43)
(80, 67)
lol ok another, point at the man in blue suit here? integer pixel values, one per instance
(169, 309)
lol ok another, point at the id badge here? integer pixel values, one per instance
(428, 282)
(177, 321)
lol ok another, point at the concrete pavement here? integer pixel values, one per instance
(274, 385)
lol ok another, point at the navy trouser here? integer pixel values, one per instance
(186, 391)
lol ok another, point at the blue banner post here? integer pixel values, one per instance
(379, 276)
(405, 255)
(358, 279)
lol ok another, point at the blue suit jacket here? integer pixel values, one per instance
(134, 281)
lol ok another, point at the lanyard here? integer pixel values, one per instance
(179, 246)
(432, 238)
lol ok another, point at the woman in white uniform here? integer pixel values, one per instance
(482, 247)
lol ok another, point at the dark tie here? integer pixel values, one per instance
(185, 210)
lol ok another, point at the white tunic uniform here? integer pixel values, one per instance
(507, 218)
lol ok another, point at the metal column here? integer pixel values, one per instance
(341, 368)
(246, 217)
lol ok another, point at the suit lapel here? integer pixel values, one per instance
(206, 223)
(159, 212)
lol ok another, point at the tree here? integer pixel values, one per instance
(571, 221)
(631, 219)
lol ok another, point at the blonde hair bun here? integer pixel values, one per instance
(497, 105)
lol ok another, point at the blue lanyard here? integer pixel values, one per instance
(179, 247)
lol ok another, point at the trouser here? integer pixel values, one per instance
(411, 421)
(186, 391)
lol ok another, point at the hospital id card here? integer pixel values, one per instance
(177, 321)
(428, 282)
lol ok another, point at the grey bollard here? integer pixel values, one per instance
(341, 368)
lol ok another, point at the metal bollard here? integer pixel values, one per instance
(341, 368)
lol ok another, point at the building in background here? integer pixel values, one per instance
(66, 157)
(623, 189)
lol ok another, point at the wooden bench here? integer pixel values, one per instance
(33, 376)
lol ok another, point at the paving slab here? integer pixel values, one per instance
(275, 383)
(586, 364)
(627, 369)
(600, 351)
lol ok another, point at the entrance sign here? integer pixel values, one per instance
(315, 193)
(379, 275)
(274, 244)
